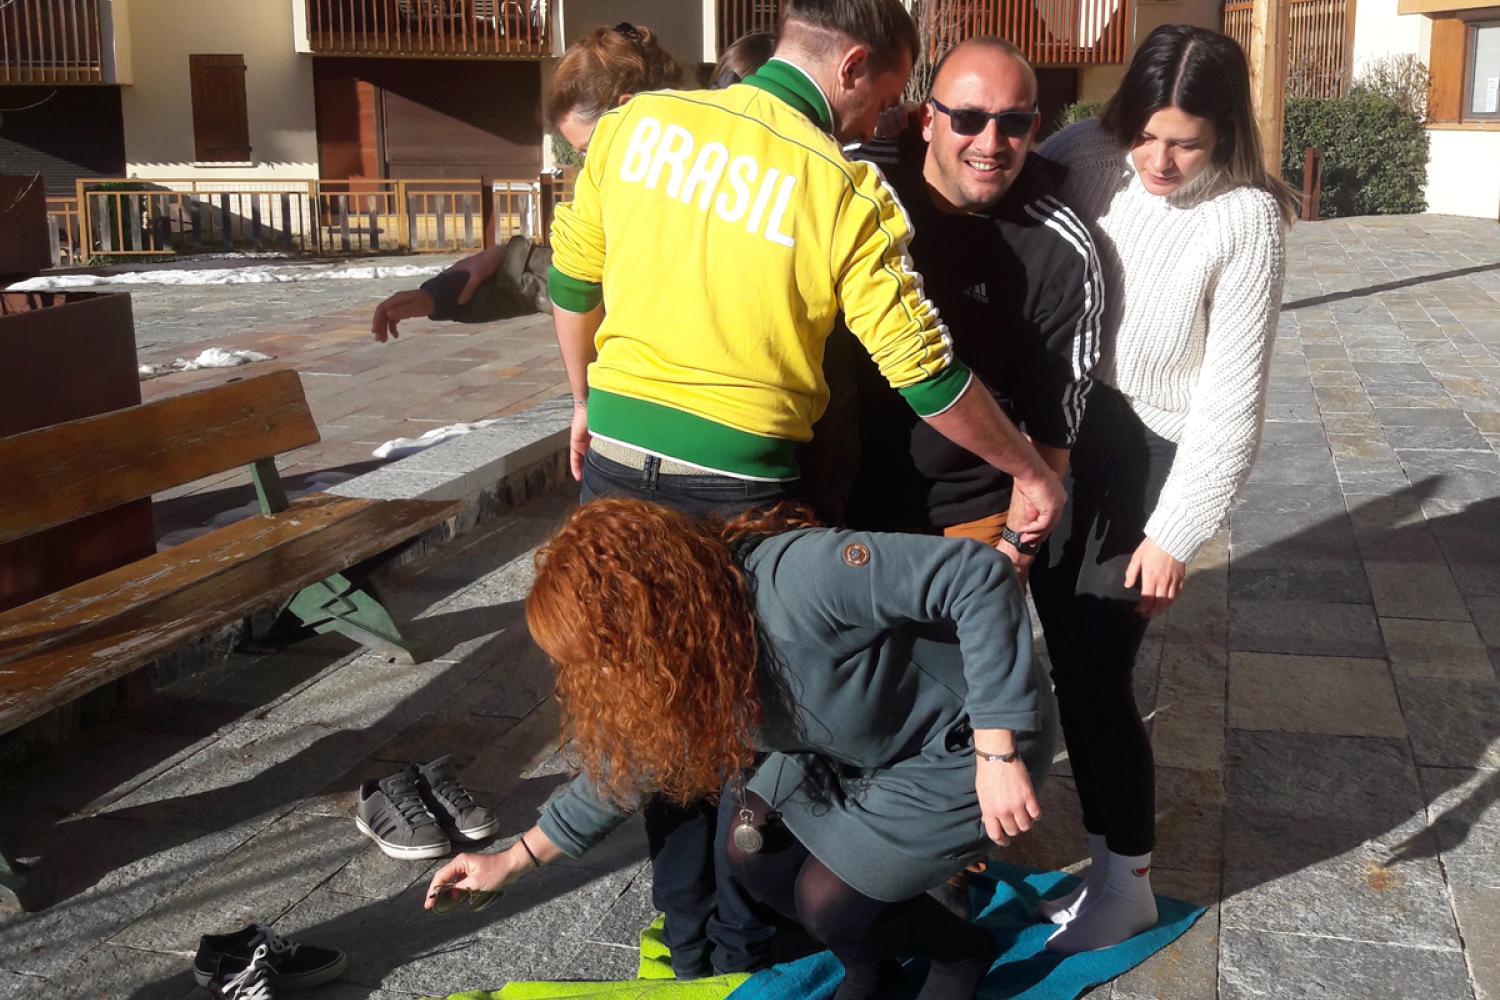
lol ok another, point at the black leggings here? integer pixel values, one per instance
(1092, 630)
(866, 935)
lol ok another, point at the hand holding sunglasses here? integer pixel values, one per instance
(478, 879)
(459, 881)
(972, 121)
(449, 897)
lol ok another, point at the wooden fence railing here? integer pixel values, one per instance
(1049, 32)
(1320, 43)
(458, 28)
(50, 41)
(145, 218)
(64, 230)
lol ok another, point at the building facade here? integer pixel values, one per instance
(1459, 42)
(348, 90)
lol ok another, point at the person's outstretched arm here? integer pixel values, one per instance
(493, 872)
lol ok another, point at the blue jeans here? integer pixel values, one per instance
(711, 923)
(698, 495)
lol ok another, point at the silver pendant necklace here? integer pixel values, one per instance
(748, 837)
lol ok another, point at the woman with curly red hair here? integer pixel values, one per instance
(888, 679)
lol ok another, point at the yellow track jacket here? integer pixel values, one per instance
(724, 231)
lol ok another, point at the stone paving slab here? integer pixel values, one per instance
(1324, 700)
(1256, 964)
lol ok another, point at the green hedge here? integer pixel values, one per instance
(1078, 111)
(1374, 153)
(563, 154)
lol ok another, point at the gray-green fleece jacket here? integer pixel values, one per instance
(877, 650)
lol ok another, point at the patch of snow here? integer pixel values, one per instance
(401, 447)
(214, 357)
(225, 276)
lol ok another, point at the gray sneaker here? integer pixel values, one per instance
(391, 813)
(451, 801)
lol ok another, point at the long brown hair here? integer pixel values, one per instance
(652, 626)
(605, 65)
(1205, 74)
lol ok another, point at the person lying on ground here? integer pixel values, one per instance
(600, 71)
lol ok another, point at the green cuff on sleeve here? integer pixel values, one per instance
(935, 395)
(571, 294)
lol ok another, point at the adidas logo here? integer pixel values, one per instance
(978, 293)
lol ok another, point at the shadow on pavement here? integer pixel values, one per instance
(1387, 286)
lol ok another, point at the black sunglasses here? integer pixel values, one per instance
(971, 121)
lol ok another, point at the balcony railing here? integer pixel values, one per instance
(50, 41)
(120, 217)
(432, 28)
(1048, 32)
(1320, 41)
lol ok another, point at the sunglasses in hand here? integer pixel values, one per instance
(447, 898)
(972, 121)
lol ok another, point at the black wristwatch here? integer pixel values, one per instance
(1014, 539)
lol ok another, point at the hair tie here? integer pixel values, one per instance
(629, 30)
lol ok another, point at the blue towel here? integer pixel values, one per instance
(1005, 899)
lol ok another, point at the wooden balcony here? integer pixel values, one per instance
(441, 29)
(50, 41)
(1049, 32)
(1320, 44)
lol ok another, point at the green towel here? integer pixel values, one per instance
(653, 980)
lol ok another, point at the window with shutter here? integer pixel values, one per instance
(221, 124)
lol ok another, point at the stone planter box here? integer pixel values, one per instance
(68, 355)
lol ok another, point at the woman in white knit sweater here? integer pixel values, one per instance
(1189, 227)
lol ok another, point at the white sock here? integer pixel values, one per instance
(1122, 907)
(1061, 910)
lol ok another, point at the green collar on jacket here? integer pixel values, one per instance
(792, 84)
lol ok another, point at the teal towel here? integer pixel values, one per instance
(1005, 899)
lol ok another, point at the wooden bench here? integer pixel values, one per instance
(58, 647)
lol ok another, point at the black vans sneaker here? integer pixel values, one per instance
(451, 802)
(224, 962)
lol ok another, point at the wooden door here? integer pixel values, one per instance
(221, 122)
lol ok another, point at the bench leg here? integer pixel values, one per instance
(22, 887)
(337, 605)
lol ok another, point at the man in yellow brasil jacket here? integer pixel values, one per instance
(724, 231)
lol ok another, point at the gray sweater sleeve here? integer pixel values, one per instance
(580, 817)
(836, 580)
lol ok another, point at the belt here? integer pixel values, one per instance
(634, 458)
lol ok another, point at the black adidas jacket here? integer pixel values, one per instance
(1020, 291)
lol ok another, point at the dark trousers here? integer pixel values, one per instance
(1093, 632)
(866, 935)
(711, 925)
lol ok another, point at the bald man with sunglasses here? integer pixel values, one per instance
(1013, 273)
